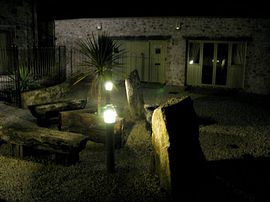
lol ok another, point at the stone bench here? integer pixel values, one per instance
(24, 136)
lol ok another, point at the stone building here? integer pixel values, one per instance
(27, 41)
(226, 52)
(23, 26)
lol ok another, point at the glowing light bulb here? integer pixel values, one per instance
(108, 85)
(109, 114)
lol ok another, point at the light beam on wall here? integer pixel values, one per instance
(179, 25)
(99, 26)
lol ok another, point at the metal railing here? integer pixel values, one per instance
(24, 69)
(75, 61)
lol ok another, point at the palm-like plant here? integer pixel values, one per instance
(102, 54)
(25, 78)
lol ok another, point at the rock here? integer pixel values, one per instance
(178, 158)
(148, 112)
(134, 95)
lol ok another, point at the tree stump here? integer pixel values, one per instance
(134, 95)
(90, 124)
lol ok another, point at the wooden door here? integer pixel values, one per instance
(136, 56)
(147, 56)
(157, 61)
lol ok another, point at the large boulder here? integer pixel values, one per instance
(148, 112)
(178, 158)
(134, 95)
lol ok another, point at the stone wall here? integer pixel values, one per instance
(17, 18)
(24, 24)
(257, 71)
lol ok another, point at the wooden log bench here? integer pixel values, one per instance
(24, 136)
(43, 112)
(88, 123)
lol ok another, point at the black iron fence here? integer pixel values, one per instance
(23, 69)
(76, 64)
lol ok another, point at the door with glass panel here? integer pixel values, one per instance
(221, 64)
(194, 63)
(237, 65)
(157, 61)
(215, 64)
(208, 63)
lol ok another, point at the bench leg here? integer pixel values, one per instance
(43, 121)
(16, 150)
(67, 159)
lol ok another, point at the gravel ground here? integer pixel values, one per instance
(234, 136)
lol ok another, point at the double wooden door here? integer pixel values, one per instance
(147, 56)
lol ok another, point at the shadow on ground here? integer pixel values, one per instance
(239, 180)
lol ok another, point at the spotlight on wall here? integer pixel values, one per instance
(179, 25)
(99, 26)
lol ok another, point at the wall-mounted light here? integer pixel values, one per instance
(99, 26)
(179, 25)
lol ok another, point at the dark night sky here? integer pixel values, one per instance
(61, 9)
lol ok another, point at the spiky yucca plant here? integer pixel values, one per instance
(25, 78)
(101, 58)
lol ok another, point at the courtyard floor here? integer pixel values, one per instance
(235, 139)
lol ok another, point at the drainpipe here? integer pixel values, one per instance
(34, 19)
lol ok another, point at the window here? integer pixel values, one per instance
(216, 63)
(194, 53)
(3, 53)
(221, 64)
(238, 53)
(207, 68)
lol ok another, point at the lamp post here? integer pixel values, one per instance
(108, 85)
(109, 116)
